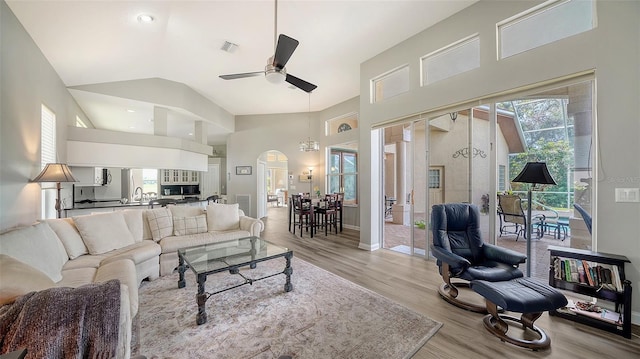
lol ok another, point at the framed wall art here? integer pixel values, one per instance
(243, 170)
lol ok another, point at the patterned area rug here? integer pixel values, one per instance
(325, 316)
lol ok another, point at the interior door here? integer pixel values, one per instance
(211, 181)
(262, 189)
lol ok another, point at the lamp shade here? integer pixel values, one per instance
(536, 173)
(55, 172)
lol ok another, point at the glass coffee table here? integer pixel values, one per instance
(229, 256)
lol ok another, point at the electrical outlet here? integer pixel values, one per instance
(627, 194)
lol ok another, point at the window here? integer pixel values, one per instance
(80, 123)
(343, 174)
(502, 170)
(454, 59)
(341, 124)
(549, 22)
(47, 153)
(434, 178)
(393, 83)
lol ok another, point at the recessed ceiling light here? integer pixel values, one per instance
(145, 18)
(190, 133)
(131, 110)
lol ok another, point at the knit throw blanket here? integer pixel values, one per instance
(64, 322)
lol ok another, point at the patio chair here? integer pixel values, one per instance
(513, 219)
(461, 253)
(585, 215)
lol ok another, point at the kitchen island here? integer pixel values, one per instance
(87, 208)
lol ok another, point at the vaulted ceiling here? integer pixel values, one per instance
(93, 42)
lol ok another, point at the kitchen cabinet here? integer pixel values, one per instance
(170, 176)
(88, 176)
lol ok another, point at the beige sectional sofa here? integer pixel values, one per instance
(129, 245)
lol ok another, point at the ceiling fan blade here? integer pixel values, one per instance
(242, 75)
(301, 84)
(285, 48)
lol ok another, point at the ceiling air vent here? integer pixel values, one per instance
(229, 47)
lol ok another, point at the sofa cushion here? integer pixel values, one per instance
(189, 225)
(77, 277)
(160, 223)
(18, 278)
(104, 232)
(223, 217)
(185, 211)
(69, 236)
(133, 218)
(137, 253)
(38, 246)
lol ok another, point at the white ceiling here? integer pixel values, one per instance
(90, 42)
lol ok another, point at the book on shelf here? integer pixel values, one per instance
(587, 271)
(593, 274)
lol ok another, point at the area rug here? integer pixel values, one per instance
(325, 316)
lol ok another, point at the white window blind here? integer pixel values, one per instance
(48, 137)
(47, 155)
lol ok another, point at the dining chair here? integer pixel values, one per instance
(327, 213)
(303, 214)
(339, 207)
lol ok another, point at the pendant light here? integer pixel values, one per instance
(309, 145)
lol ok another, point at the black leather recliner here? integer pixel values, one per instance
(461, 253)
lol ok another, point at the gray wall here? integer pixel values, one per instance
(612, 49)
(256, 134)
(28, 81)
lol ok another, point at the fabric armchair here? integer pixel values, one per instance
(462, 254)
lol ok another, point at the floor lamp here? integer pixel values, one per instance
(56, 172)
(534, 173)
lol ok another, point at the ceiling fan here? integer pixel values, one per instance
(275, 70)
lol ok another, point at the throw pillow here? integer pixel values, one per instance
(223, 217)
(38, 246)
(189, 225)
(18, 278)
(133, 218)
(104, 232)
(69, 236)
(185, 211)
(160, 223)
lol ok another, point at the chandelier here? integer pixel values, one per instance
(309, 145)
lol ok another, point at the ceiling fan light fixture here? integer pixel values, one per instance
(274, 75)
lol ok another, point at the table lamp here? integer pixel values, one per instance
(56, 172)
(534, 173)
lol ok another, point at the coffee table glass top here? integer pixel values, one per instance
(221, 255)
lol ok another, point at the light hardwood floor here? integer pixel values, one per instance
(413, 282)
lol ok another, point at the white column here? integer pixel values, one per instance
(160, 121)
(200, 132)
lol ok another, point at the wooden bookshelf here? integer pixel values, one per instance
(621, 298)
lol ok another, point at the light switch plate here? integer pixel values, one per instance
(627, 194)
